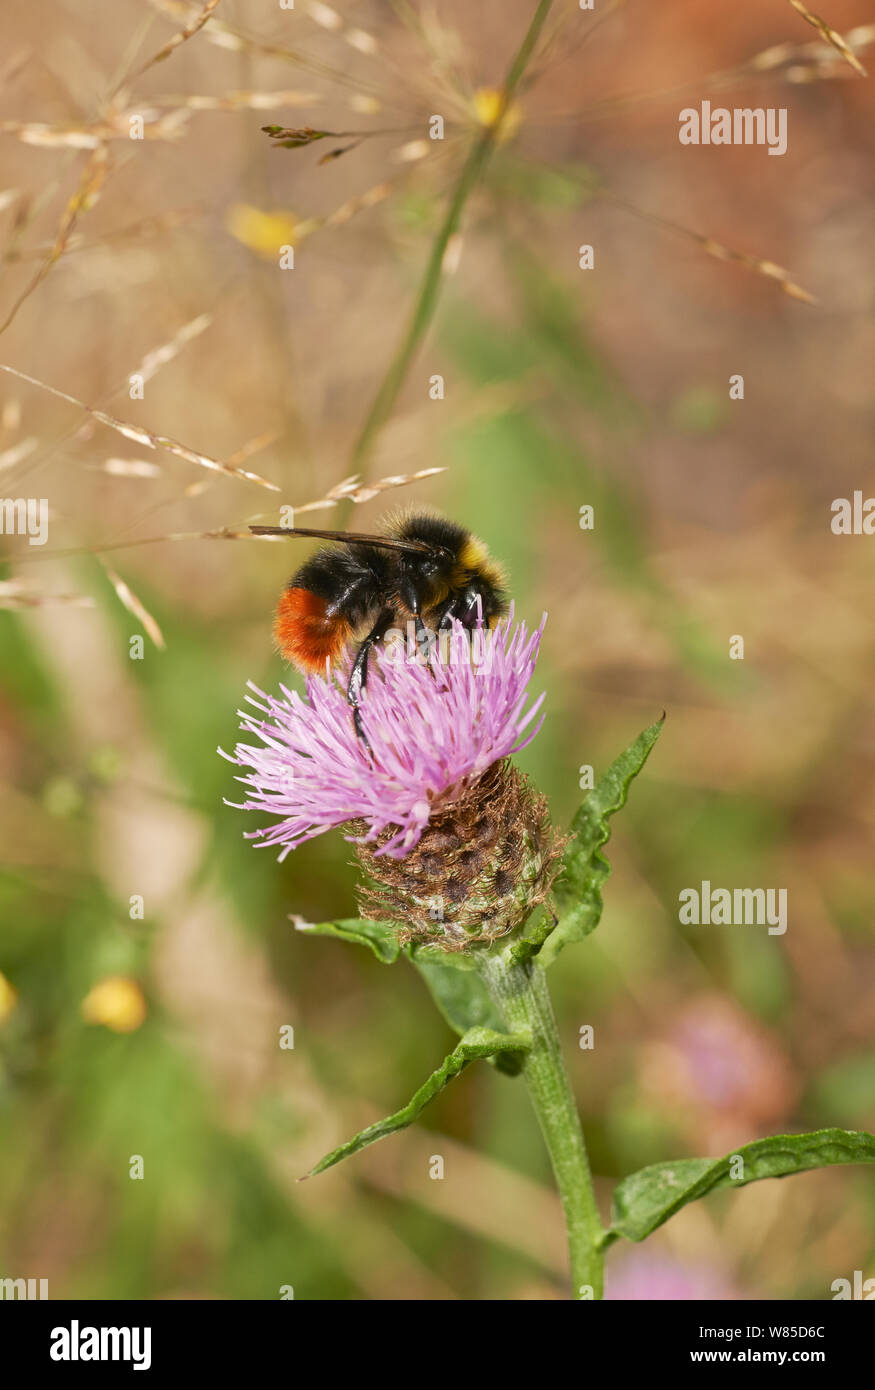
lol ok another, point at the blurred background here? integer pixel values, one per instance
(148, 961)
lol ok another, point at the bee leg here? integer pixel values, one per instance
(359, 728)
(357, 677)
(448, 615)
(424, 637)
(359, 674)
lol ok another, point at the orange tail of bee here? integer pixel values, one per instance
(305, 634)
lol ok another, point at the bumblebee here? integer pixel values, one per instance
(420, 567)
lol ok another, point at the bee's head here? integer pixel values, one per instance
(424, 579)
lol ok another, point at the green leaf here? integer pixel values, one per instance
(462, 999)
(381, 937)
(579, 890)
(452, 981)
(646, 1199)
(476, 1044)
(534, 938)
(460, 996)
(424, 952)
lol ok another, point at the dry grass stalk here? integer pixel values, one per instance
(141, 435)
(235, 40)
(328, 18)
(86, 195)
(129, 468)
(150, 363)
(137, 232)
(135, 606)
(558, 46)
(160, 356)
(15, 595)
(714, 248)
(830, 36)
(794, 62)
(349, 490)
(239, 101)
(353, 490)
(92, 135)
(759, 267)
(193, 26)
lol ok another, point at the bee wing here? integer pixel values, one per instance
(346, 538)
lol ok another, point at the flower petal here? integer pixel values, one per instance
(434, 727)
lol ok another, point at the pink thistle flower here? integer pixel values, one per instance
(434, 729)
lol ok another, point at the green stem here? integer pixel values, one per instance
(520, 994)
(427, 298)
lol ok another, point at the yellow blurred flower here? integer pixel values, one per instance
(487, 104)
(8, 998)
(265, 233)
(117, 1003)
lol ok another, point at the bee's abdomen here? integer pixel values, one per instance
(331, 597)
(306, 633)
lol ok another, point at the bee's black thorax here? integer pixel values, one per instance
(455, 579)
(353, 582)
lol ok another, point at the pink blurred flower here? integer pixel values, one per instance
(649, 1277)
(721, 1072)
